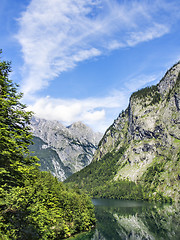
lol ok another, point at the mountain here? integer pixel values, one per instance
(147, 222)
(139, 155)
(63, 150)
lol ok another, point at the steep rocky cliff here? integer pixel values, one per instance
(63, 150)
(150, 131)
(144, 141)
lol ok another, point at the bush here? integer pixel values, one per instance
(45, 209)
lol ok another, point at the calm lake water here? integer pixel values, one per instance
(134, 220)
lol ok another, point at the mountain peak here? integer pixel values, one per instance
(169, 79)
(63, 150)
(77, 124)
(141, 146)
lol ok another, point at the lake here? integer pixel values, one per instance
(134, 220)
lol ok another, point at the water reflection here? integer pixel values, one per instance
(134, 220)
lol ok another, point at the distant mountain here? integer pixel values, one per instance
(139, 155)
(63, 150)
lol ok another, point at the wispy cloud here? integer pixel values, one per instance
(95, 112)
(137, 82)
(155, 31)
(56, 35)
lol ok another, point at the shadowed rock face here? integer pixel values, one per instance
(63, 150)
(149, 129)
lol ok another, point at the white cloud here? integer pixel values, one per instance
(115, 45)
(96, 112)
(150, 33)
(56, 35)
(94, 116)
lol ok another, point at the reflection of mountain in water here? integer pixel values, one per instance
(141, 222)
(144, 223)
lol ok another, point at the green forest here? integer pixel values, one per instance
(33, 204)
(97, 180)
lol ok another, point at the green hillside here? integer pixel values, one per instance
(139, 155)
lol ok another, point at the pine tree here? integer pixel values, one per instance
(33, 204)
(15, 161)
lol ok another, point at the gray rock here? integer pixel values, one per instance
(149, 131)
(63, 150)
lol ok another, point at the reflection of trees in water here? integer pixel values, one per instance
(163, 221)
(145, 223)
(148, 222)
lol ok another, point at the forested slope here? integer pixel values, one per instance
(139, 155)
(33, 204)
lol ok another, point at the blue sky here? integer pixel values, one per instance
(80, 60)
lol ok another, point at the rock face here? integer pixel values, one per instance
(149, 130)
(63, 150)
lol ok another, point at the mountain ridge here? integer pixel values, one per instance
(143, 144)
(63, 150)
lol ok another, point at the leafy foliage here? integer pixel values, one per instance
(45, 209)
(33, 204)
(15, 161)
